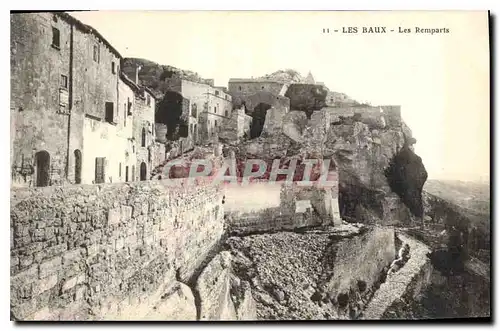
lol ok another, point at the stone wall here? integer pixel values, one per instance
(273, 124)
(107, 251)
(237, 127)
(35, 79)
(242, 88)
(264, 97)
(278, 206)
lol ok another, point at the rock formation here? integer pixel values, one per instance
(380, 177)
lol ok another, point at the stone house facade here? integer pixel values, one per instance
(209, 107)
(144, 133)
(72, 112)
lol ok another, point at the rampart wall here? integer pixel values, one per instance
(107, 251)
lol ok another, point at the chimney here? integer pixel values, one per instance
(137, 69)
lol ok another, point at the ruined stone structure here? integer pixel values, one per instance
(159, 250)
(72, 110)
(209, 107)
(237, 127)
(336, 99)
(240, 88)
(284, 206)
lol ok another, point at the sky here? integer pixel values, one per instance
(441, 81)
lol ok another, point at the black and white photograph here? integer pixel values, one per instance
(250, 165)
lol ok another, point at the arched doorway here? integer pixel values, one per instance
(258, 119)
(42, 162)
(78, 166)
(144, 171)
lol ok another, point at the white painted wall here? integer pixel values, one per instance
(101, 139)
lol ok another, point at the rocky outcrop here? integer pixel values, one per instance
(152, 74)
(285, 76)
(406, 175)
(177, 304)
(327, 273)
(363, 149)
(306, 97)
(212, 287)
(371, 148)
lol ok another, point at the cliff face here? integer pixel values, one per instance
(380, 177)
(152, 73)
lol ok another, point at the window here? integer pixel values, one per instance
(120, 170)
(216, 92)
(42, 164)
(215, 123)
(215, 109)
(262, 87)
(113, 68)
(129, 106)
(64, 81)
(99, 170)
(148, 100)
(125, 117)
(109, 116)
(56, 41)
(194, 110)
(225, 96)
(143, 138)
(227, 113)
(239, 87)
(78, 166)
(96, 53)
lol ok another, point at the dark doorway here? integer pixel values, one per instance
(258, 119)
(126, 173)
(144, 171)
(78, 166)
(42, 159)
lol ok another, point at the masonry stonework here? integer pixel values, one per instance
(106, 251)
(37, 92)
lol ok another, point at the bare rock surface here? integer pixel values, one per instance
(177, 304)
(284, 269)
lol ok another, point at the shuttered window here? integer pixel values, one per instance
(99, 169)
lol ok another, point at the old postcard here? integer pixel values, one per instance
(249, 165)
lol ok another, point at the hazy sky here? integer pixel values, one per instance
(441, 80)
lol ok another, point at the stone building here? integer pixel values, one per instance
(258, 97)
(144, 133)
(208, 107)
(241, 87)
(72, 113)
